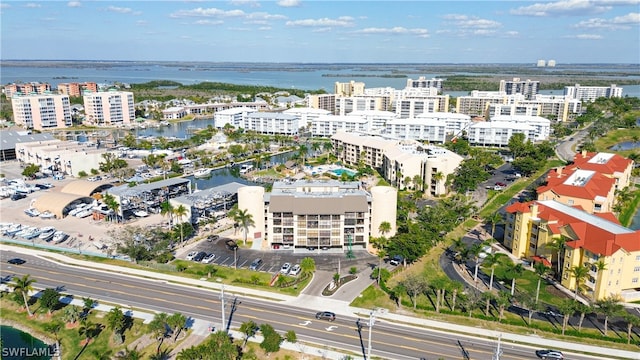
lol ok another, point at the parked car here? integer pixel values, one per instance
(231, 245)
(17, 196)
(191, 255)
(285, 268)
(501, 184)
(255, 264)
(209, 258)
(295, 270)
(211, 238)
(549, 354)
(396, 260)
(325, 315)
(199, 256)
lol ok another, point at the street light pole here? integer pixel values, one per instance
(222, 302)
(372, 321)
(235, 257)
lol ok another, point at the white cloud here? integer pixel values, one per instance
(471, 22)
(585, 37)
(33, 5)
(343, 21)
(208, 22)
(617, 23)
(289, 3)
(264, 28)
(142, 23)
(249, 3)
(207, 12)
(398, 30)
(4, 6)
(120, 10)
(239, 29)
(563, 8)
(74, 4)
(321, 30)
(265, 16)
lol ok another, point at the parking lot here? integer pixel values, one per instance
(272, 260)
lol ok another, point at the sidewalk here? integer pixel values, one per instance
(338, 305)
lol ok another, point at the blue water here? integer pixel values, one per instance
(297, 76)
(339, 172)
(19, 345)
(625, 145)
(635, 221)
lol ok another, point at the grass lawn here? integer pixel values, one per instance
(615, 136)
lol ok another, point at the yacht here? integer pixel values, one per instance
(47, 233)
(246, 168)
(31, 233)
(32, 212)
(47, 215)
(60, 236)
(12, 229)
(140, 213)
(202, 173)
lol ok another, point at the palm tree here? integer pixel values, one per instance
(514, 271)
(87, 330)
(582, 309)
(129, 354)
(579, 272)
(608, 307)
(307, 265)
(116, 322)
(494, 220)
(384, 228)
(55, 327)
(557, 245)
(245, 219)
(23, 286)
(88, 304)
(249, 329)
(437, 177)
(455, 288)
(491, 261)
(502, 300)
(166, 209)
(632, 321)
(567, 309)
(71, 314)
(158, 328)
(417, 182)
(180, 212)
(177, 322)
(475, 251)
(541, 270)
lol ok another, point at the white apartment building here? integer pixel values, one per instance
(376, 119)
(478, 102)
(330, 124)
(109, 108)
(430, 130)
(306, 115)
(345, 105)
(512, 109)
(69, 157)
(41, 111)
(233, 117)
(455, 124)
(413, 165)
(271, 123)
(498, 133)
(322, 101)
(355, 148)
(327, 214)
(541, 125)
(174, 112)
(528, 88)
(423, 82)
(591, 93)
(352, 88)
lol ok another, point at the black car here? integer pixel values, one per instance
(325, 315)
(199, 256)
(549, 354)
(16, 261)
(18, 196)
(211, 238)
(231, 245)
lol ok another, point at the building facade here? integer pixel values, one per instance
(110, 108)
(591, 191)
(67, 157)
(329, 215)
(77, 89)
(528, 88)
(41, 112)
(26, 89)
(591, 93)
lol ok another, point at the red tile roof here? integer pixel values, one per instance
(615, 164)
(600, 234)
(598, 185)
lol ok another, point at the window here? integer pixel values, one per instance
(634, 280)
(636, 269)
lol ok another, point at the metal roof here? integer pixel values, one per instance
(9, 138)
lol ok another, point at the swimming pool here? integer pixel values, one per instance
(339, 172)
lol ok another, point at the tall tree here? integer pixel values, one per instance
(567, 309)
(557, 245)
(494, 220)
(245, 220)
(307, 266)
(180, 212)
(248, 329)
(23, 285)
(415, 285)
(579, 272)
(116, 321)
(166, 209)
(608, 307)
(49, 299)
(491, 261)
(541, 270)
(177, 322)
(631, 321)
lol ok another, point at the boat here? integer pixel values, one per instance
(59, 236)
(47, 233)
(12, 229)
(245, 168)
(140, 213)
(31, 233)
(32, 212)
(47, 215)
(83, 213)
(202, 173)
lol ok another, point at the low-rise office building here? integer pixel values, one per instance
(68, 157)
(327, 214)
(610, 251)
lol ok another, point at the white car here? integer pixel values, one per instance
(191, 255)
(285, 268)
(295, 270)
(209, 258)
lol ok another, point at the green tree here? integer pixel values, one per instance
(54, 327)
(631, 321)
(502, 301)
(517, 144)
(249, 330)
(541, 270)
(166, 209)
(582, 309)
(23, 285)
(414, 285)
(30, 171)
(49, 299)
(129, 354)
(308, 266)
(116, 321)
(180, 212)
(514, 271)
(71, 314)
(494, 219)
(87, 305)
(177, 322)
(491, 261)
(88, 330)
(557, 245)
(608, 307)
(158, 328)
(245, 220)
(271, 339)
(579, 273)
(566, 309)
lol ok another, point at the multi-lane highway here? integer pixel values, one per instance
(389, 340)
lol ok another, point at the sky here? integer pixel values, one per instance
(567, 31)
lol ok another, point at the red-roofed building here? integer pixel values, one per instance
(592, 191)
(608, 164)
(598, 241)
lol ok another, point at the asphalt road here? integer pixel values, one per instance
(389, 340)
